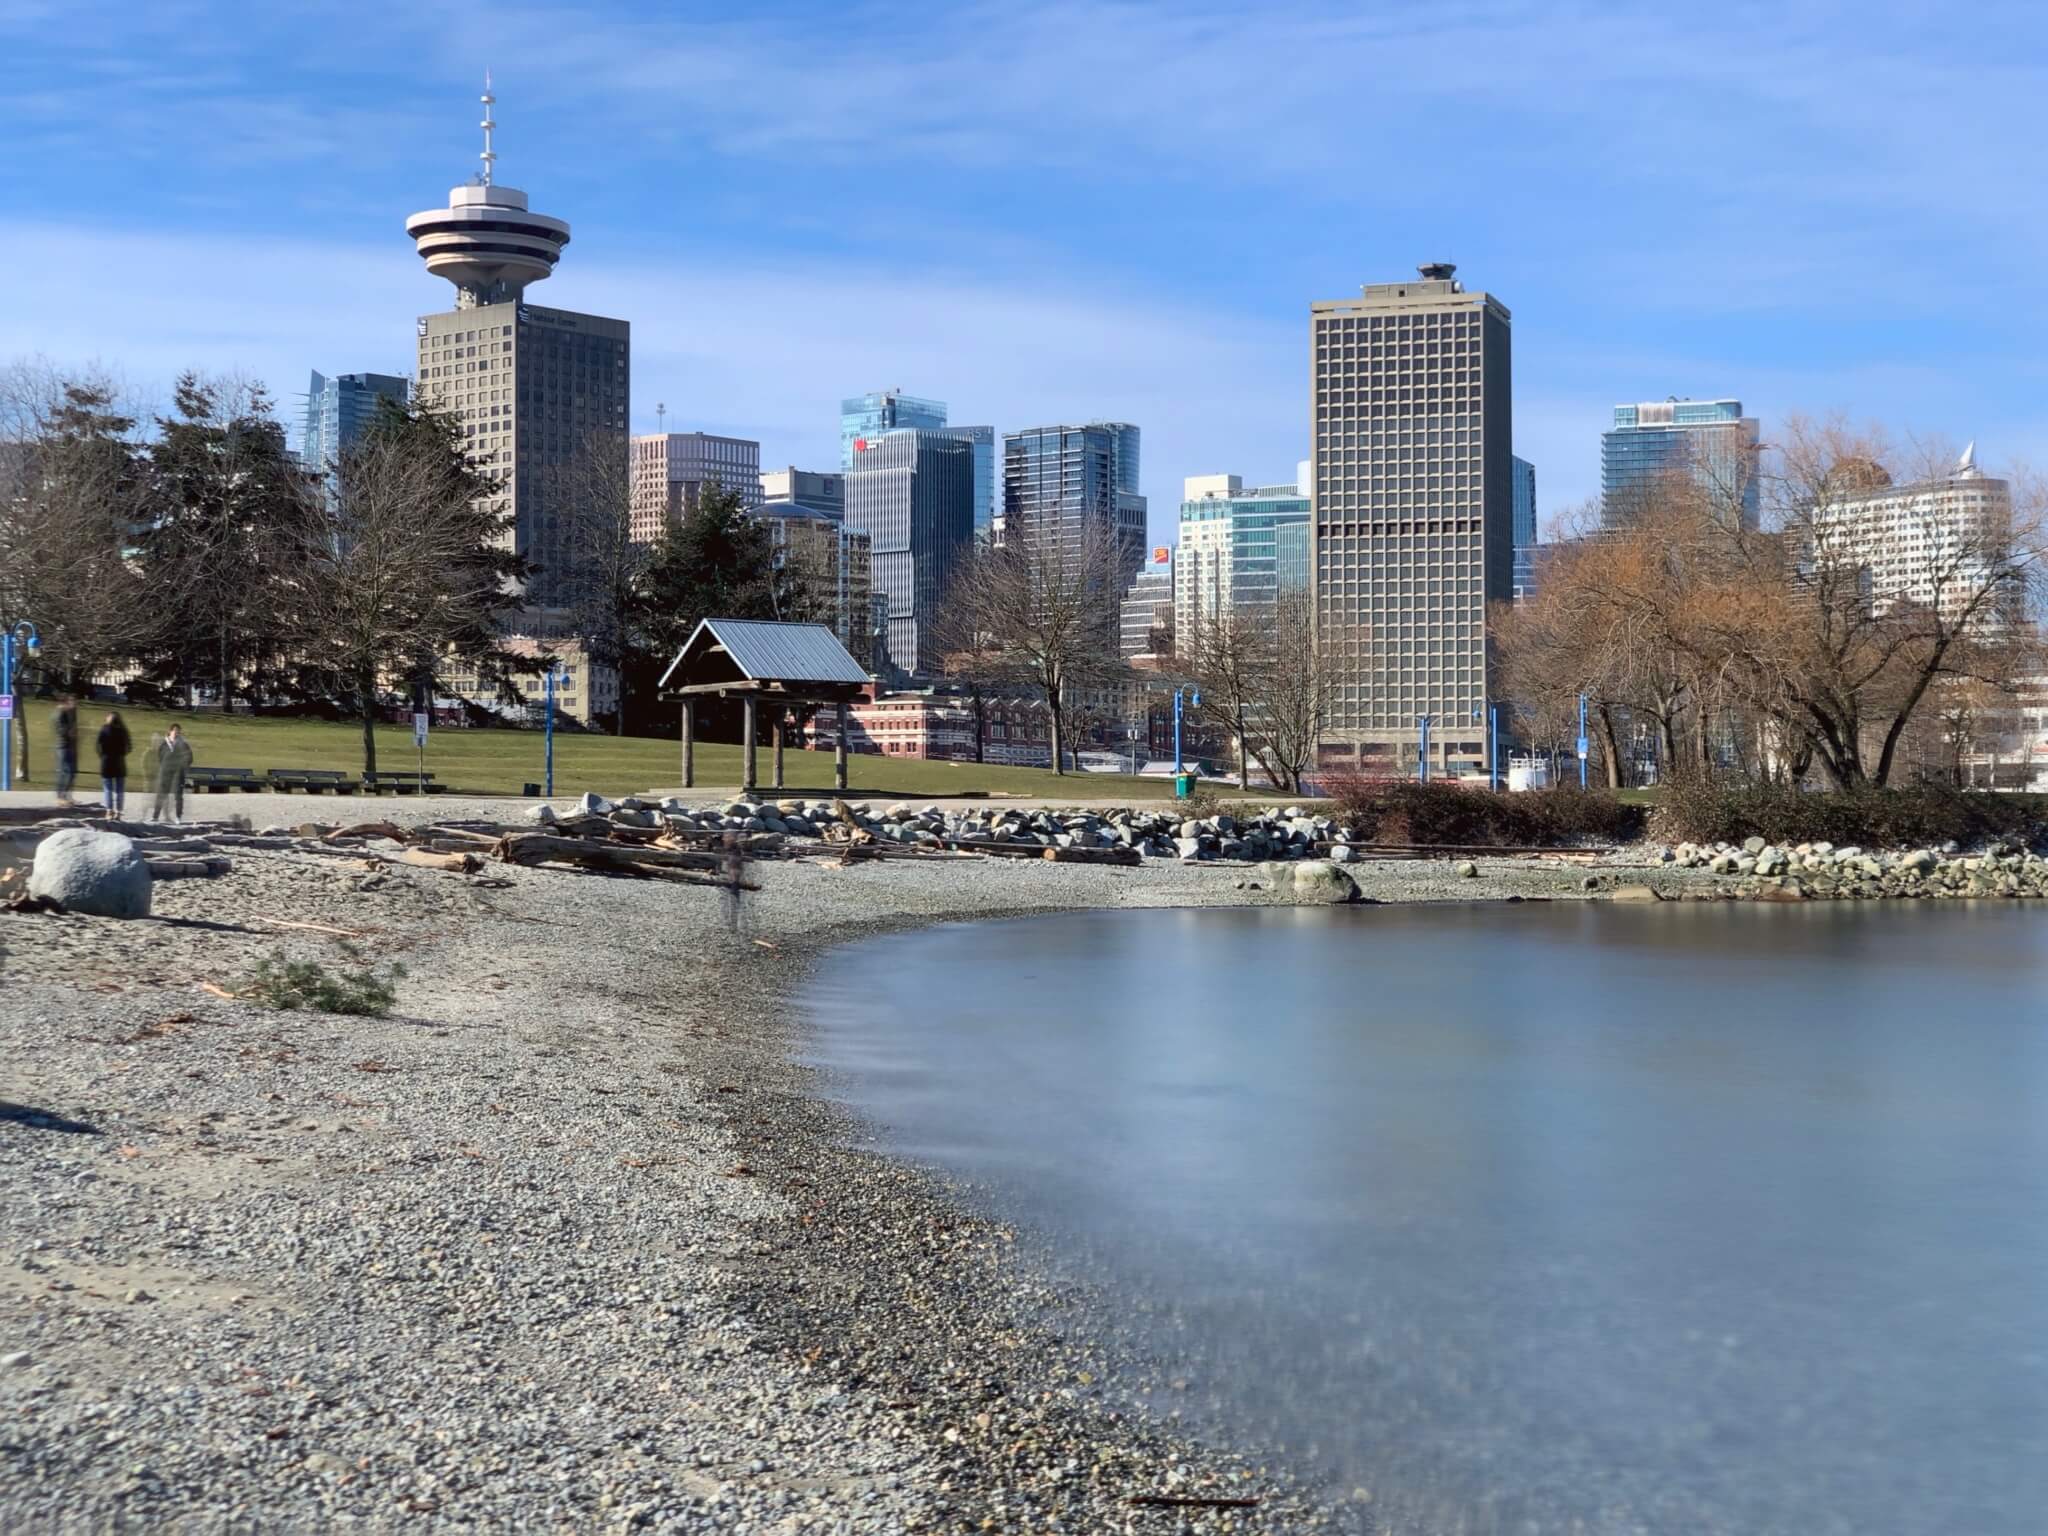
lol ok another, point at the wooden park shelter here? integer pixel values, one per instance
(766, 665)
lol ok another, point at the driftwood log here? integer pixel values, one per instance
(189, 869)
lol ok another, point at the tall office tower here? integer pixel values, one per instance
(817, 489)
(672, 471)
(1525, 530)
(337, 411)
(1239, 549)
(862, 418)
(541, 394)
(1413, 514)
(835, 565)
(986, 485)
(1709, 440)
(912, 492)
(1060, 481)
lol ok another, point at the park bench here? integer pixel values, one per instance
(313, 781)
(402, 784)
(220, 780)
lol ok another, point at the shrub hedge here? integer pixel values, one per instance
(1394, 811)
(1921, 815)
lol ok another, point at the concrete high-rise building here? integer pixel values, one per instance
(862, 418)
(672, 471)
(1932, 544)
(541, 394)
(338, 409)
(1058, 482)
(1146, 612)
(820, 490)
(912, 492)
(987, 485)
(835, 564)
(1412, 421)
(1710, 441)
(1525, 530)
(1239, 549)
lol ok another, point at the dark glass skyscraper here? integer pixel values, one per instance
(1525, 530)
(1058, 481)
(863, 418)
(912, 492)
(337, 411)
(1710, 441)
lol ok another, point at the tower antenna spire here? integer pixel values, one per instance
(489, 155)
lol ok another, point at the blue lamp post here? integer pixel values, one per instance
(1193, 697)
(1422, 749)
(548, 732)
(25, 635)
(1583, 744)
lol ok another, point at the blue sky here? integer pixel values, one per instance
(1058, 211)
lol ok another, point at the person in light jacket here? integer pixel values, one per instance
(113, 743)
(173, 755)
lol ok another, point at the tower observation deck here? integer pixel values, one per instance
(486, 241)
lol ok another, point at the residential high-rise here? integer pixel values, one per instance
(1058, 482)
(1239, 549)
(1709, 440)
(1146, 613)
(672, 471)
(820, 490)
(835, 564)
(541, 394)
(338, 409)
(912, 492)
(1412, 421)
(866, 417)
(986, 486)
(1933, 543)
(1525, 530)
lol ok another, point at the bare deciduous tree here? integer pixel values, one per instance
(1264, 675)
(603, 563)
(1047, 614)
(406, 573)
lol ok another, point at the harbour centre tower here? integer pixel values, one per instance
(541, 394)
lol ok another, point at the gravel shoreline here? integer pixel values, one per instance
(568, 1243)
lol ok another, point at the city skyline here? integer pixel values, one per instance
(782, 283)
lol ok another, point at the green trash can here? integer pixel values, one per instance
(1183, 785)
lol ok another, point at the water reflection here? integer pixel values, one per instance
(1613, 1219)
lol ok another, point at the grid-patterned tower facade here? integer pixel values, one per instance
(1413, 529)
(541, 394)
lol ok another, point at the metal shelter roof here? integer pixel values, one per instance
(765, 651)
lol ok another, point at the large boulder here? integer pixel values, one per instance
(1318, 880)
(91, 871)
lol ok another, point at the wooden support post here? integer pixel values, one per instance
(778, 749)
(839, 753)
(689, 743)
(748, 765)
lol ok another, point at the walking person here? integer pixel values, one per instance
(172, 756)
(113, 745)
(65, 725)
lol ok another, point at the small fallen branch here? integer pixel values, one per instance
(1192, 1501)
(189, 869)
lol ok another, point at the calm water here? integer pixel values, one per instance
(1526, 1219)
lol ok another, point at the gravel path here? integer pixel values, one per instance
(566, 1244)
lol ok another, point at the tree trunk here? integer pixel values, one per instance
(1244, 760)
(980, 724)
(1610, 748)
(366, 686)
(1058, 765)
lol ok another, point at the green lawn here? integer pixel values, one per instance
(501, 762)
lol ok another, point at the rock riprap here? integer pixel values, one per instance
(1252, 836)
(97, 873)
(1822, 870)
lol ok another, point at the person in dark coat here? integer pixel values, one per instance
(113, 747)
(65, 726)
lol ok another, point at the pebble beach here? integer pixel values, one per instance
(569, 1241)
